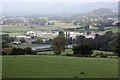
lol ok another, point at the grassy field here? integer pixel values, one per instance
(104, 52)
(114, 29)
(15, 28)
(69, 51)
(0, 67)
(28, 45)
(58, 67)
(64, 25)
(26, 28)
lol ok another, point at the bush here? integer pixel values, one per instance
(67, 54)
(3, 53)
(7, 51)
(23, 51)
(84, 50)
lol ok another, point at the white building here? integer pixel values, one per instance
(23, 37)
(31, 33)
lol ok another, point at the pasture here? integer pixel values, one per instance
(58, 67)
(27, 45)
(114, 29)
(14, 30)
(0, 66)
(69, 51)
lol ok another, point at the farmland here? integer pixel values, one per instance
(58, 67)
(21, 30)
(0, 66)
(69, 51)
(86, 34)
(15, 28)
(28, 45)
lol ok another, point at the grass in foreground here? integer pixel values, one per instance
(58, 67)
(0, 66)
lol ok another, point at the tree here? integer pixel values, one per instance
(97, 42)
(76, 50)
(22, 51)
(89, 41)
(58, 44)
(80, 39)
(83, 49)
(61, 33)
(87, 27)
(69, 40)
(5, 44)
(115, 45)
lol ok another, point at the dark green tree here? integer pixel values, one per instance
(87, 27)
(5, 44)
(80, 39)
(58, 44)
(61, 33)
(83, 49)
(76, 50)
(115, 45)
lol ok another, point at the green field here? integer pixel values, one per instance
(114, 29)
(0, 67)
(28, 45)
(58, 67)
(14, 30)
(67, 51)
(104, 52)
(21, 30)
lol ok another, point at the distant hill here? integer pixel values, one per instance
(98, 13)
(102, 12)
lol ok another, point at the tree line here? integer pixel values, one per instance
(18, 51)
(84, 46)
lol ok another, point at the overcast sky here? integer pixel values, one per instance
(59, 0)
(54, 6)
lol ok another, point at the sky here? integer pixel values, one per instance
(59, 0)
(53, 6)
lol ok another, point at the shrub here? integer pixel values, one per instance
(7, 51)
(23, 51)
(82, 50)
